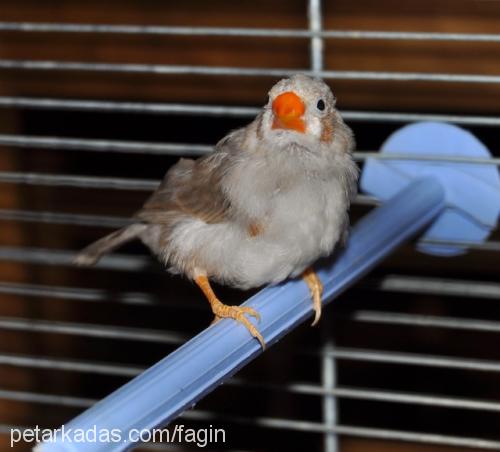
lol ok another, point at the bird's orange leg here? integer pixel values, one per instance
(316, 288)
(234, 312)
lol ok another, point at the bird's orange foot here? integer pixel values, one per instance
(237, 313)
(316, 288)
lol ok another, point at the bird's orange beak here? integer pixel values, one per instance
(288, 109)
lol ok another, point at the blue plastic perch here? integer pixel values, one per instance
(177, 382)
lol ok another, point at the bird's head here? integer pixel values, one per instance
(300, 110)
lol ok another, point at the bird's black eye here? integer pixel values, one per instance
(321, 105)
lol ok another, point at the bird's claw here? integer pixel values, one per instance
(238, 313)
(316, 297)
(316, 288)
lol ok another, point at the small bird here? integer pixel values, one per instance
(269, 200)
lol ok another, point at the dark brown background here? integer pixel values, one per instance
(181, 307)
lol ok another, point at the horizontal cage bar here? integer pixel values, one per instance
(182, 149)
(163, 69)
(121, 370)
(38, 27)
(91, 330)
(225, 110)
(155, 336)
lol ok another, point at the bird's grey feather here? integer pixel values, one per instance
(263, 206)
(92, 253)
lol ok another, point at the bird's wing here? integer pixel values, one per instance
(194, 188)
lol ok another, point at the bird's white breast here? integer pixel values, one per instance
(307, 221)
(300, 217)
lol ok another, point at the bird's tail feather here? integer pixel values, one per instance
(92, 253)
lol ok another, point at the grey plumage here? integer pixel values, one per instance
(263, 206)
